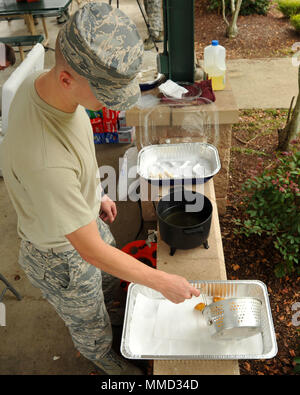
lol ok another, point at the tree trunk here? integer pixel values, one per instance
(224, 12)
(292, 128)
(232, 29)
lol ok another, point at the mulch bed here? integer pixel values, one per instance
(255, 257)
(259, 36)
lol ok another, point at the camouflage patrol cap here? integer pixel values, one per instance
(103, 45)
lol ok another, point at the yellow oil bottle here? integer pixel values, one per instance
(217, 82)
(215, 64)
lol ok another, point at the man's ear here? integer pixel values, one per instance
(66, 79)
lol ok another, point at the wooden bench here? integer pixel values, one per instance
(21, 41)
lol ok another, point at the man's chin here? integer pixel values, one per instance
(93, 107)
(97, 108)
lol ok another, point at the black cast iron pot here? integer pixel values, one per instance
(184, 219)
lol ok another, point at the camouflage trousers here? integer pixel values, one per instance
(79, 292)
(154, 12)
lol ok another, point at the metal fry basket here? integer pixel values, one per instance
(234, 318)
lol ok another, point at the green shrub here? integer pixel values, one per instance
(248, 7)
(289, 7)
(295, 21)
(272, 208)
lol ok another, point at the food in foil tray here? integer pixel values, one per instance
(200, 306)
(217, 298)
(177, 169)
(197, 161)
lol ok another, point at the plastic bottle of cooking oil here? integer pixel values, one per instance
(215, 65)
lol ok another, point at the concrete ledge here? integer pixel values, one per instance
(189, 367)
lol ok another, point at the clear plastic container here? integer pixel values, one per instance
(215, 64)
(179, 121)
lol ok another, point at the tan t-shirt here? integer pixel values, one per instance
(49, 167)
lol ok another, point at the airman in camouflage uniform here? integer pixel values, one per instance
(154, 13)
(51, 177)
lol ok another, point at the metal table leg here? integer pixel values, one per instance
(30, 24)
(10, 287)
(46, 31)
(110, 1)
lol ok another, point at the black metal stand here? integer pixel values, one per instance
(8, 287)
(173, 249)
(205, 244)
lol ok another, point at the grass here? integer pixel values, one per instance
(257, 122)
(256, 130)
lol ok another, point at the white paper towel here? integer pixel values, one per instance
(159, 327)
(171, 89)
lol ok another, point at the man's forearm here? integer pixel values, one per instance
(94, 250)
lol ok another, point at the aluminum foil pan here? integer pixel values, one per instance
(155, 328)
(194, 163)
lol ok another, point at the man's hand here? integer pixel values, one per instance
(176, 288)
(108, 210)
